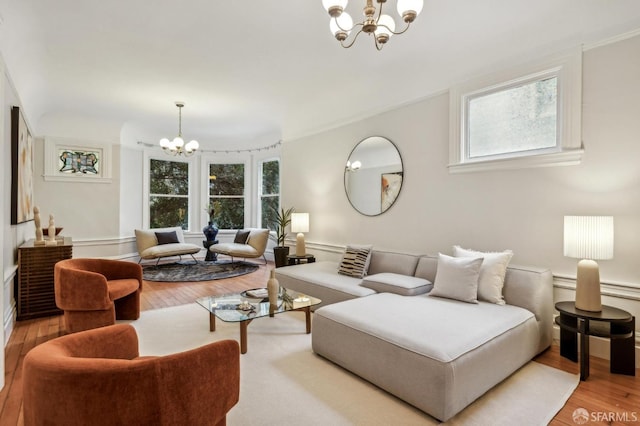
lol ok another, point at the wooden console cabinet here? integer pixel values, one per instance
(34, 285)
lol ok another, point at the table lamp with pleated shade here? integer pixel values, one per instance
(588, 238)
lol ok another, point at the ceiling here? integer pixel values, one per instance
(260, 71)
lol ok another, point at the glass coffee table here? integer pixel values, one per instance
(248, 305)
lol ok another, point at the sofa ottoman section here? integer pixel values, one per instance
(438, 355)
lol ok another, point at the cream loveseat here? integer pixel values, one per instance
(437, 354)
(157, 243)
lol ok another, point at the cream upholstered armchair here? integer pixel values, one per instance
(157, 243)
(255, 245)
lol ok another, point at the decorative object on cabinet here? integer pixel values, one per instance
(21, 169)
(373, 175)
(39, 231)
(35, 296)
(589, 238)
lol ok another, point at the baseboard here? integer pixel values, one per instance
(9, 322)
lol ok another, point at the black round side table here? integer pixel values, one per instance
(615, 324)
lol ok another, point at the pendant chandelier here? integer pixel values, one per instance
(177, 145)
(375, 23)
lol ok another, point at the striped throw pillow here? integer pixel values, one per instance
(355, 261)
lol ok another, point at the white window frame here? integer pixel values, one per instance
(146, 184)
(568, 69)
(261, 162)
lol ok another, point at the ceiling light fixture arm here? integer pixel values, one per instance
(180, 105)
(375, 22)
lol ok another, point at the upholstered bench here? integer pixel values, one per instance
(163, 242)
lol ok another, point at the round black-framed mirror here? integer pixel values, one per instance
(373, 175)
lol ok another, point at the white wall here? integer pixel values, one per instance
(520, 209)
(131, 191)
(6, 273)
(12, 235)
(86, 210)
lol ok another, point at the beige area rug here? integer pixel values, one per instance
(284, 383)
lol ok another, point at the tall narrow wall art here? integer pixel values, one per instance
(21, 169)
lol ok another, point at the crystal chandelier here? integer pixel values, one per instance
(177, 145)
(375, 22)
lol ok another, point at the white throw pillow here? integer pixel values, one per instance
(492, 272)
(457, 278)
(355, 261)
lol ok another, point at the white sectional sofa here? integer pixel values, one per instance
(435, 353)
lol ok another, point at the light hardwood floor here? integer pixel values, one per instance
(603, 392)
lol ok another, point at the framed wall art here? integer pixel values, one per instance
(67, 160)
(21, 169)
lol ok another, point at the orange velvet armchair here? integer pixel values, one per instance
(95, 292)
(96, 377)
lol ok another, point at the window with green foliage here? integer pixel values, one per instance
(226, 194)
(168, 194)
(269, 192)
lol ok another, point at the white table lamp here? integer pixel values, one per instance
(300, 224)
(589, 238)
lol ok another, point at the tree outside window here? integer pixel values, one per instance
(168, 194)
(269, 192)
(226, 193)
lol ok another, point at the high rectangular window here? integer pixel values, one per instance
(528, 116)
(514, 120)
